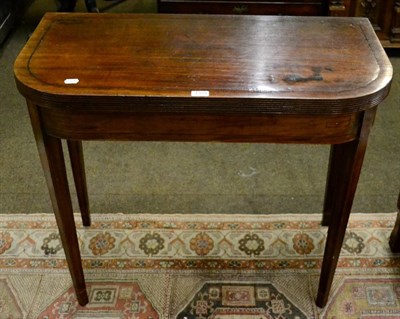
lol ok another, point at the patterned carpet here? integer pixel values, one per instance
(198, 266)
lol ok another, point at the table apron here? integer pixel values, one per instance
(75, 124)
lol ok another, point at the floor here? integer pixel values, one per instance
(185, 177)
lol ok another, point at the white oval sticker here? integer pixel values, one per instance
(71, 81)
(200, 93)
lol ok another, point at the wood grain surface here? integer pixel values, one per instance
(251, 64)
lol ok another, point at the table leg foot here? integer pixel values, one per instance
(322, 299)
(347, 162)
(82, 297)
(78, 170)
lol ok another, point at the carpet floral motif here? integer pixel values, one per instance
(303, 244)
(202, 244)
(251, 244)
(51, 244)
(102, 243)
(151, 243)
(353, 243)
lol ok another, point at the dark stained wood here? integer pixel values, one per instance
(119, 125)
(305, 8)
(250, 64)
(332, 183)
(394, 240)
(78, 170)
(268, 79)
(349, 158)
(52, 159)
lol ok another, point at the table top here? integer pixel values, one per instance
(204, 63)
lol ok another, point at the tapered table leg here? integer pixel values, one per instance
(348, 162)
(52, 159)
(331, 185)
(78, 170)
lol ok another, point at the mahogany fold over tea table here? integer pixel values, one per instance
(258, 79)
